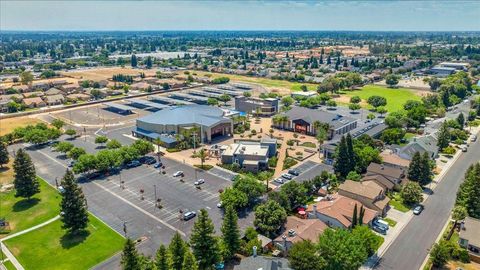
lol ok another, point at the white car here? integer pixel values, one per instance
(278, 180)
(287, 176)
(464, 148)
(220, 205)
(177, 174)
(199, 182)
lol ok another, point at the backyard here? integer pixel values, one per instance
(23, 214)
(49, 247)
(395, 97)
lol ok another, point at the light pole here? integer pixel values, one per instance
(155, 192)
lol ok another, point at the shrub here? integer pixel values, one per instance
(449, 150)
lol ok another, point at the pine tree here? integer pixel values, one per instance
(354, 217)
(203, 242)
(177, 250)
(426, 171)
(161, 258)
(351, 153)
(461, 119)
(25, 181)
(341, 165)
(4, 158)
(133, 60)
(362, 214)
(230, 232)
(189, 262)
(130, 257)
(415, 168)
(443, 139)
(73, 205)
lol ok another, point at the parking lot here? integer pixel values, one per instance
(308, 170)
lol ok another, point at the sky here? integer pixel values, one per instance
(380, 15)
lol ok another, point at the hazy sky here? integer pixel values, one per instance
(398, 15)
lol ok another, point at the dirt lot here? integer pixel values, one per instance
(98, 74)
(6, 173)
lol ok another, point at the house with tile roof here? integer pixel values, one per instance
(296, 230)
(369, 193)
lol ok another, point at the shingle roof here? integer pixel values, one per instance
(264, 263)
(471, 231)
(364, 190)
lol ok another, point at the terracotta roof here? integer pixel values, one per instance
(365, 189)
(305, 229)
(341, 209)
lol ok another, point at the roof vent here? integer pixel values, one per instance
(291, 232)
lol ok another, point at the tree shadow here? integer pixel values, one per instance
(25, 204)
(4, 169)
(70, 240)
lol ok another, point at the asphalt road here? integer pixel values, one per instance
(412, 245)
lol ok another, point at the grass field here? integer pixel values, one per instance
(397, 203)
(50, 248)
(395, 97)
(9, 265)
(23, 214)
(269, 83)
(9, 124)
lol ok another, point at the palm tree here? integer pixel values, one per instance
(202, 154)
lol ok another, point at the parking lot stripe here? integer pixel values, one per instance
(140, 209)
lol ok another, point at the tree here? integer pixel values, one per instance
(377, 101)
(202, 155)
(71, 132)
(212, 101)
(459, 212)
(411, 193)
(143, 147)
(148, 62)
(101, 140)
(391, 80)
(461, 120)
(443, 138)
(177, 249)
(225, 98)
(26, 77)
(133, 61)
(302, 256)
(247, 94)
(230, 232)
(420, 169)
(64, 147)
(85, 163)
(296, 194)
(440, 254)
(130, 258)
(161, 258)
(354, 107)
(234, 197)
(4, 157)
(342, 165)
(76, 152)
(355, 217)
(355, 99)
(73, 206)
(25, 180)
(269, 217)
(287, 101)
(113, 144)
(469, 191)
(189, 261)
(250, 186)
(434, 83)
(381, 110)
(57, 123)
(203, 241)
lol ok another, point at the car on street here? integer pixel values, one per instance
(418, 209)
(464, 148)
(178, 173)
(147, 160)
(287, 176)
(189, 215)
(294, 172)
(133, 163)
(473, 138)
(279, 181)
(199, 182)
(158, 165)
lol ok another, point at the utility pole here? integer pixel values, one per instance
(155, 192)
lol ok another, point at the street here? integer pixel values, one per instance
(412, 246)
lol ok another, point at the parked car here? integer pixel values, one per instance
(464, 148)
(278, 180)
(158, 165)
(381, 223)
(147, 160)
(418, 209)
(199, 182)
(294, 172)
(379, 229)
(220, 205)
(133, 163)
(189, 215)
(178, 173)
(71, 163)
(473, 138)
(287, 176)
(61, 189)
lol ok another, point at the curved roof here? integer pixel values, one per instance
(188, 114)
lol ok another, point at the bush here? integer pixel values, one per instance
(288, 163)
(449, 150)
(272, 162)
(290, 142)
(220, 80)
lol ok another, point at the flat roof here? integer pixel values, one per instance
(170, 100)
(187, 96)
(118, 106)
(148, 103)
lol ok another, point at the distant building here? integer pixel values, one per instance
(34, 102)
(54, 100)
(455, 65)
(301, 94)
(392, 159)
(427, 143)
(250, 155)
(263, 107)
(442, 71)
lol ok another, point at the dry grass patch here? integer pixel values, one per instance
(6, 173)
(98, 74)
(9, 124)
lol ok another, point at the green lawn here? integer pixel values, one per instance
(308, 144)
(23, 214)
(391, 222)
(49, 248)
(395, 97)
(397, 203)
(9, 265)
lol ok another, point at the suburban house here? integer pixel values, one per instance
(263, 107)
(392, 159)
(427, 143)
(337, 211)
(71, 88)
(369, 193)
(303, 120)
(40, 86)
(263, 263)
(470, 237)
(250, 155)
(77, 97)
(34, 102)
(54, 100)
(54, 91)
(296, 230)
(143, 86)
(385, 176)
(441, 71)
(21, 88)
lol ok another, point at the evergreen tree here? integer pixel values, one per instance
(342, 159)
(351, 153)
(443, 139)
(177, 250)
(133, 60)
(426, 171)
(25, 181)
(189, 262)
(415, 168)
(130, 258)
(161, 258)
(4, 158)
(469, 191)
(461, 119)
(360, 217)
(354, 217)
(73, 205)
(203, 242)
(230, 232)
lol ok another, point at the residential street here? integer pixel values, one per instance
(411, 247)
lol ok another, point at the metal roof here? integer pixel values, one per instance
(118, 106)
(147, 103)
